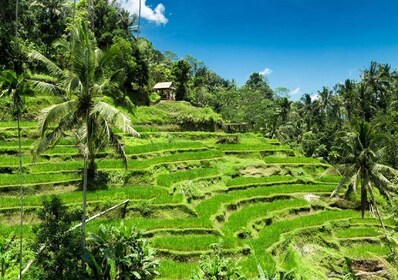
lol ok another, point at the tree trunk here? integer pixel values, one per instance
(364, 198)
(19, 145)
(20, 192)
(85, 175)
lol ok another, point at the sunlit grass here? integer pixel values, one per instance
(212, 205)
(13, 179)
(168, 180)
(240, 219)
(270, 159)
(243, 181)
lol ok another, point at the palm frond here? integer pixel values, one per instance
(114, 117)
(378, 168)
(45, 87)
(114, 142)
(343, 182)
(103, 58)
(63, 44)
(49, 140)
(54, 114)
(51, 66)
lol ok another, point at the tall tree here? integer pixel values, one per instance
(181, 71)
(376, 81)
(258, 82)
(91, 119)
(363, 169)
(60, 256)
(16, 86)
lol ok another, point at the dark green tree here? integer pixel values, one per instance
(258, 82)
(120, 254)
(60, 256)
(50, 17)
(363, 170)
(181, 70)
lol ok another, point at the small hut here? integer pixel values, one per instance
(166, 90)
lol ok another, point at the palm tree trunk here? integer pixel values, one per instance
(364, 198)
(84, 203)
(139, 19)
(20, 194)
(19, 151)
(85, 175)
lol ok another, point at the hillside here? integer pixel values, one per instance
(187, 189)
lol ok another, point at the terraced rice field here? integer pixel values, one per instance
(260, 199)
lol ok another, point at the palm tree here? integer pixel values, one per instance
(284, 109)
(91, 120)
(16, 86)
(362, 168)
(376, 80)
(349, 97)
(307, 109)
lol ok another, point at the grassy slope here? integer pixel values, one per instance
(189, 192)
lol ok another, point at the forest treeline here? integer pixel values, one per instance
(315, 124)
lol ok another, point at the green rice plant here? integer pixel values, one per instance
(14, 124)
(330, 179)
(153, 194)
(7, 230)
(357, 232)
(156, 147)
(371, 222)
(211, 206)
(27, 143)
(186, 156)
(249, 147)
(40, 178)
(152, 224)
(191, 242)
(170, 269)
(56, 166)
(9, 161)
(241, 218)
(14, 143)
(272, 141)
(14, 149)
(177, 157)
(271, 234)
(296, 160)
(366, 251)
(62, 150)
(244, 181)
(167, 180)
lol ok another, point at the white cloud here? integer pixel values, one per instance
(295, 91)
(314, 97)
(266, 72)
(155, 15)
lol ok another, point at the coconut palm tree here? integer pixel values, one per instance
(349, 97)
(376, 81)
(284, 109)
(83, 113)
(362, 168)
(16, 86)
(307, 109)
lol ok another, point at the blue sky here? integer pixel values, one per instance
(302, 44)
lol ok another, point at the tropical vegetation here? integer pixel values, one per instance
(292, 189)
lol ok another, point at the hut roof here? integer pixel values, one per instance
(164, 85)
